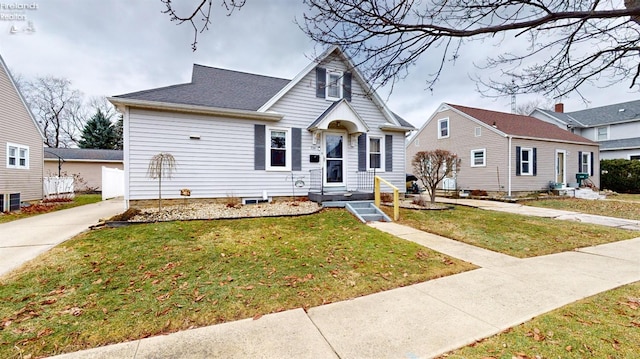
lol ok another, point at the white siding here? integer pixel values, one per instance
(301, 107)
(221, 162)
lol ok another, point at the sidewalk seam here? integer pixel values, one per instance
(333, 349)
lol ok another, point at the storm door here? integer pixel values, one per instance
(334, 154)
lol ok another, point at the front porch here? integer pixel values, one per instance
(320, 193)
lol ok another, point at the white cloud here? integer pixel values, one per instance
(120, 46)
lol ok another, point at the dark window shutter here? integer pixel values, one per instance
(535, 161)
(517, 160)
(362, 152)
(579, 161)
(296, 149)
(346, 86)
(321, 81)
(388, 153)
(259, 147)
(591, 166)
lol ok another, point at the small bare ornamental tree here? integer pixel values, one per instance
(431, 167)
(161, 165)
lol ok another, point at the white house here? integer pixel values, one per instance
(258, 137)
(615, 127)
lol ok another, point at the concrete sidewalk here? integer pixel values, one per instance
(544, 212)
(418, 321)
(25, 239)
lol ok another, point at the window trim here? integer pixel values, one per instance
(339, 85)
(382, 153)
(18, 148)
(597, 134)
(288, 150)
(529, 161)
(484, 157)
(588, 164)
(446, 119)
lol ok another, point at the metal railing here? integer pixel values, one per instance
(365, 181)
(316, 180)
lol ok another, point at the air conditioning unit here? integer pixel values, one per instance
(10, 202)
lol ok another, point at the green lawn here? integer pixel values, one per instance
(606, 325)
(37, 209)
(115, 285)
(620, 206)
(512, 234)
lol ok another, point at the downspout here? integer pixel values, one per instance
(509, 168)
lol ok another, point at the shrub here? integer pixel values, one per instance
(620, 175)
(386, 197)
(479, 193)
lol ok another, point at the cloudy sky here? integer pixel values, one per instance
(113, 47)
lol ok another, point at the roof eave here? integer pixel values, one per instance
(394, 128)
(121, 103)
(554, 140)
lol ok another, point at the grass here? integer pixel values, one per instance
(625, 197)
(606, 325)
(114, 285)
(623, 206)
(35, 210)
(515, 235)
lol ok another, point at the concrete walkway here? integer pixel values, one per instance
(418, 321)
(518, 208)
(25, 239)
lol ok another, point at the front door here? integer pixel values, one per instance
(334, 154)
(560, 167)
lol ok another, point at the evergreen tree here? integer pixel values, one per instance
(119, 133)
(98, 133)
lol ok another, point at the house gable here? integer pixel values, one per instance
(21, 163)
(312, 75)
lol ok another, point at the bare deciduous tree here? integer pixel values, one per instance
(431, 167)
(528, 107)
(200, 17)
(570, 43)
(58, 108)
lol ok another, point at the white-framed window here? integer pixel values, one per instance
(443, 128)
(634, 157)
(585, 162)
(478, 131)
(602, 133)
(279, 149)
(334, 85)
(526, 161)
(479, 157)
(17, 156)
(376, 153)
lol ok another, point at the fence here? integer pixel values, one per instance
(112, 183)
(58, 186)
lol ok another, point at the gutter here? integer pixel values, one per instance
(121, 103)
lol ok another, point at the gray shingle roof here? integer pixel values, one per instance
(562, 117)
(215, 87)
(83, 154)
(625, 143)
(620, 112)
(402, 121)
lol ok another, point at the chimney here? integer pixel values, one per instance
(559, 107)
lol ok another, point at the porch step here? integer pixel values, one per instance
(366, 211)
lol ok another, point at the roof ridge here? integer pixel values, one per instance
(238, 72)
